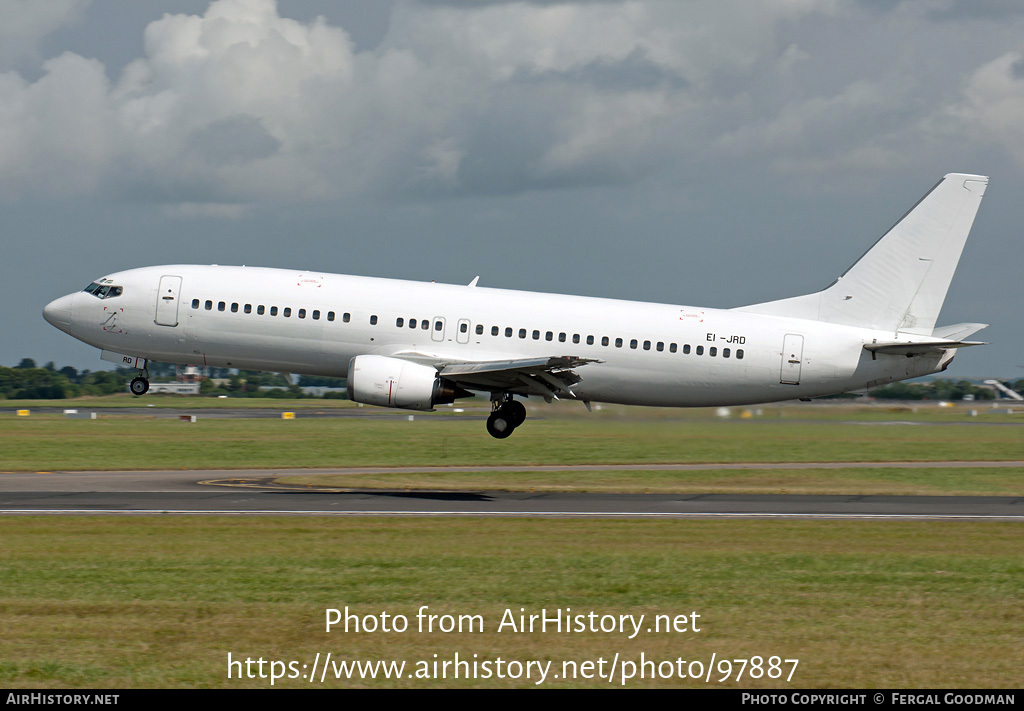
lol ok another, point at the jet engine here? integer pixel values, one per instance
(393, 382)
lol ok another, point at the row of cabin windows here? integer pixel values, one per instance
(606, 341)
(286, 312)
(424, 324)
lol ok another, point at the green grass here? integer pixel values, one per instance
(159, 602)
(52, 442)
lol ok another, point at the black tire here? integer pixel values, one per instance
(499, 425)
(517, 411)
(139, 386)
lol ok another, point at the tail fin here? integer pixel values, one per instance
(900, 283)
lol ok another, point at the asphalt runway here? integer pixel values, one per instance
(254, 493)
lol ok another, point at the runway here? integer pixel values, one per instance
(253, 492)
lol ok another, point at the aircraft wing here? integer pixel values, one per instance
(546, 376)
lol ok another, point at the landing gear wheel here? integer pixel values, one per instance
(139, 386)
(499, 425)
(517, 411)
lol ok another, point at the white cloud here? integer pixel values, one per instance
(24, 22)
(243, 106)
(991, 107)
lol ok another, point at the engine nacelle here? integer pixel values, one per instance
(393, 382)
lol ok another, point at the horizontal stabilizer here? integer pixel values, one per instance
(917, 348)
(958, 331)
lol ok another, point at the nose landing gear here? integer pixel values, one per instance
(140, 383)
(506, 415)
(139, 386)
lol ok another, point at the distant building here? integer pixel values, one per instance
(174, 388)
(190, 375)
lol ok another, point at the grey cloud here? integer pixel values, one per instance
(958, 10)
(635, 72)
(233, 140)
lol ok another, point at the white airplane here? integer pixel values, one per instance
(415, 345)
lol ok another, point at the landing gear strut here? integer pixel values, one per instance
(506, 415)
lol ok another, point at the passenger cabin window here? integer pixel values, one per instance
(700, 350)
(330, 315)
(399, 322)
(287, 312)
(549, 336)
(316, 314)
(618, 343)
(672, 347)
(686, 349)
(660, 346)
(234, 308)
(508, 332)
(438, 325)
(590, 340)
(633, 343)
(209, 305)
(494, 330)
(248, 308)
(739, 354)
(221, 306)
(561, 337)
(575, 338)
(260, 309)
(346, 317)
(725, 352)
(522, 333)
(412, 323)
(479, 329)
(302, 314)
(536, 335)
(604, 340)
(273, 311)
(463, 328)
(195, 303)
(647, 345)
(712, 351)
(373, 319)
(424, 325)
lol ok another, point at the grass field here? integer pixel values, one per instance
(113, 602)
(160, 602)
(51, 442)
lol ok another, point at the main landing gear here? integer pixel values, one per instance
(506, 415)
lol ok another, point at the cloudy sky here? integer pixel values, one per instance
(704, 152)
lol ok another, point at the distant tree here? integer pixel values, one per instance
(26, 363)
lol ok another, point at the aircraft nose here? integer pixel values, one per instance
(59, 311)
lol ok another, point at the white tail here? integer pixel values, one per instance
(900, 283)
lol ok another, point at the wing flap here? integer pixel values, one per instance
(546, 376)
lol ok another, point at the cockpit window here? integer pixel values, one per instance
(103, 291)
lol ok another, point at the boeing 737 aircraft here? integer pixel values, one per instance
(416, 345)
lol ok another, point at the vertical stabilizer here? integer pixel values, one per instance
(900, 283)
